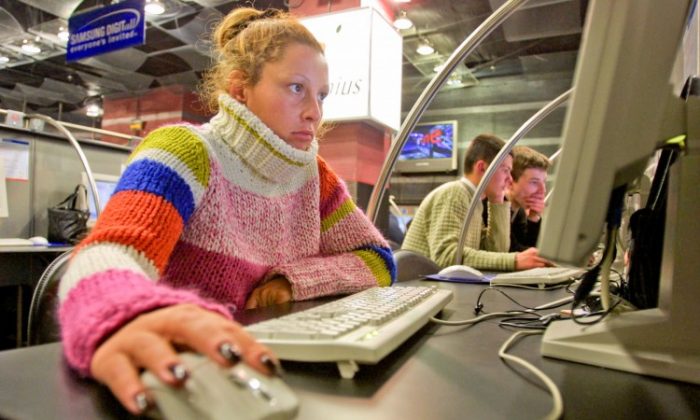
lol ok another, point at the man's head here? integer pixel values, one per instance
(481, 152)
(529, 176)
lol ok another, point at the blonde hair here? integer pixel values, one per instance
(245, 40)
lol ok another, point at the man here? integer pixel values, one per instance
(437, 225)
(526, 195)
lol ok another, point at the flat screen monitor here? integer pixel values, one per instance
(430, 147)
(621, 110)
(105, 188)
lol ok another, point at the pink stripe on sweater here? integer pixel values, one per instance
(103, 302)
(350, 234)
(262, 229)
(220, 277)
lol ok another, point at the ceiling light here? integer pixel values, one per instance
(438, 68)
(154, 7)
(402, 22)
(30, 48)
(425, 49)
(4, 59)
(63, 34)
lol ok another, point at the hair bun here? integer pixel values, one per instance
(252, 16)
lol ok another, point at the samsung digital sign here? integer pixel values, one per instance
(106, 29)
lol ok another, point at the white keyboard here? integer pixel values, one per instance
(360, 328)
(542, 276)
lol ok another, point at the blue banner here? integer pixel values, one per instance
(106, 29)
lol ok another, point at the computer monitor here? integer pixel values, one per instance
(105, 188)
(430, 147)
(624, 106)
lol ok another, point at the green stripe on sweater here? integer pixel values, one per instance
(376, 265)
(183, 144)
(339, 214)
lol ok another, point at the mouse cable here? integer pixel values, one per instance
(486, 316)
(558, 408)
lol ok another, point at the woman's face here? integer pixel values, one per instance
(289, 94)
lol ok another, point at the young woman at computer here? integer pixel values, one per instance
(238, 213)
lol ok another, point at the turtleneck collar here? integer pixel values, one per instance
(256, 144)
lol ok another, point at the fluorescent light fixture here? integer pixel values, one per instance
(4, 59)
(425, 49)
(30, 48)
(154, 7)
(403, 22)
(63, 34)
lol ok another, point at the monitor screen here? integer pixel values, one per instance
(430, 147)
(105, 188)
(624, 105)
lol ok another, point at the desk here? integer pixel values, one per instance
(20, 269)
(440, 373)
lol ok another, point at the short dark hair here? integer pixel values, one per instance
(482, 147)
(527, 158)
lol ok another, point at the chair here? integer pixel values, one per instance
(411, 265)
(42, 325)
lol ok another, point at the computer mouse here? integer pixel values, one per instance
(39, 240)
(460, 272)
(216, 393)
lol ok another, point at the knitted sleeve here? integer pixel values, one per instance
(353, 254)
(449, 209)
(113, 273)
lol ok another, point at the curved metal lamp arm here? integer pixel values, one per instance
(466, 48)
(505, 150)
(79, 150)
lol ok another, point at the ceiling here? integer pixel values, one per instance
(540, 38)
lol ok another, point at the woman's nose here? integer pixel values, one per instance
(313, 110)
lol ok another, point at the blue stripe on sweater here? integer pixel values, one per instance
(387, 256)
(156, 178)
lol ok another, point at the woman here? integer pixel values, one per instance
(238, 213)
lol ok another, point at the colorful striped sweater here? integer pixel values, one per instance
(205, 214)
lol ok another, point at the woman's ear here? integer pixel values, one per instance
(236, 86)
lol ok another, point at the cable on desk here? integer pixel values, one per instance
(544, 319)
(558, 404)
(478, 319)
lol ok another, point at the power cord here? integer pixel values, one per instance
(558, 402)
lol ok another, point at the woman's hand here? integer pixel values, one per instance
(278, 290)
(151, 341)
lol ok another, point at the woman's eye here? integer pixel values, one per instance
(322, 96)
(296, 87)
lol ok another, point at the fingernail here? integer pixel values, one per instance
(272, 365)
(178, 371)
(141, 401)
(230, 352)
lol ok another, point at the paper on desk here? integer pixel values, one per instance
(4, 207)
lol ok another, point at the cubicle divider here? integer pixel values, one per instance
(52, 171)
